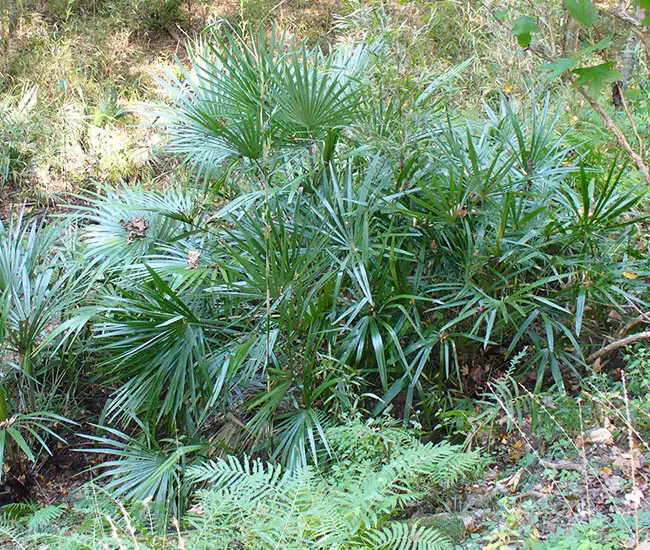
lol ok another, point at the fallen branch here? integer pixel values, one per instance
(644, 318)
(619, 344)
(561, 465)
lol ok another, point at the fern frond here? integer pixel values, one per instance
(17, 510)
(258, 480)
(10, 536)
(401, 536)
(44, 517)
(262, 505)
(393, 485)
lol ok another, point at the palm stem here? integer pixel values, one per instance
(27, 366)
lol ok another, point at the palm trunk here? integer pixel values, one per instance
(27, 366)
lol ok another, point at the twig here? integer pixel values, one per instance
(620, 136)
(631, 119)
(639, 28)
(627, 18)
(644, 318)
(632, 465)
(585, 463)
(619, 344)
(561, 465)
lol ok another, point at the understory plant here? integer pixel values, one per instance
(38, 288)
(320, 253)
(303, 273)
(351, 502)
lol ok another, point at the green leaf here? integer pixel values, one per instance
(560, 66)
(598, 46)
(596, 77)
(22, 444)
(583, 11)
(580, 309)
(524, 27)
(501, 14)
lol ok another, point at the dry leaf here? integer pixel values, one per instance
(630, 275)
(615, 483)
(606, 471)
(197, 509)
(136, 227)
(599, 436)
(634, 497)
(513, 481)
(193, 259)
(624, 461)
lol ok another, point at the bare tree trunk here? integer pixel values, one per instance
(629, 58)
(9, 23)
(645, 30)
(13, 17)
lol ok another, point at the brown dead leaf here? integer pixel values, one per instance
(635, 497)
(136, 227)
(599, 436)
(458, 211)
(514, 480)
(624, 461)
(197, 509)
(193, 259)
(606, 471)
(614, 484)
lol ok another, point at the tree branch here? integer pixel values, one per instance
(619, 344)
(638, 160)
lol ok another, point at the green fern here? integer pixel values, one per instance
(261, 506)
(400, 536)
(44, 517)
(349, 504)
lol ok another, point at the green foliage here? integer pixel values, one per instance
(324, 286)
(18, 136)
(159, 14)
(22, 434)
(95, 521)
(36, 292)
(596, 77)
(600, 531)
(348, 505)
(350, 246)
(242, 97)
(583, 11)
(108, 110)
(524, 27)
(146, 468)
(346, 509)
(595, 53)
